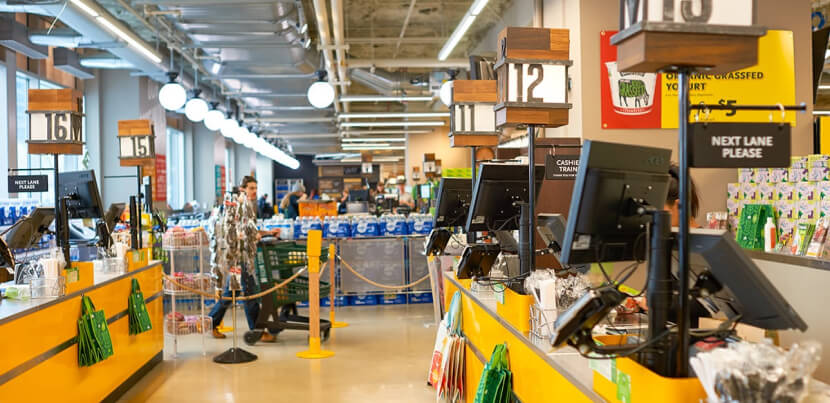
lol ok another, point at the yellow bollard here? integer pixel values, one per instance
(334, 324)
(313, 250)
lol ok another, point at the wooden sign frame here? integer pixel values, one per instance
(55, 102)
(469, 94)
(137, 128)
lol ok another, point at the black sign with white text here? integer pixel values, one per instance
(739, 145)
(561, 167)
(28, 183)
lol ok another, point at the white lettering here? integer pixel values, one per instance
(742, 153)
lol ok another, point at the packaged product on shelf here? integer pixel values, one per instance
(799, 175)
(785, 191)
(824, 209)
(761, 175)
(818, 160)
(785, 209)
(805, 191)
(733, 191)
(800, 162)
(732, 223)
(801, 238)
(717, 220)
(823, 190)
(746, 175)
(749, 191)
(816, 246)
(778, 175)
(807, 209)
(818, 174)
(733, 207)
(766, 192)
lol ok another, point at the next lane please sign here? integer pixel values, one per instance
(28, 183)
(739, 145)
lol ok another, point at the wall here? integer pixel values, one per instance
(437, 143)
(596, 16)
(265, 177)
(204, 171)
(307, 172)
(116, 103)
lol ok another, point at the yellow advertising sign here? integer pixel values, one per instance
(770, 82)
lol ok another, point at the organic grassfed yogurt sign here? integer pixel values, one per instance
(649, 100)
(740, 145)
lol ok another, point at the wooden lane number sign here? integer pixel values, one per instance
(136, 142)
(472, 120)
(55, 122)
(533, 77)
(720, 35)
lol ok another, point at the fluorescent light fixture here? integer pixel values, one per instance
(67, 61)
(371, 147)
(15, 36)
(215, 68)
(393, 115)
(478, 7)
(85, 8)
(822, 113)
(105, 61)
(384, 132)
(372, 98)
(371, 139)
(824, 87)
(391, 124)
(456, 36)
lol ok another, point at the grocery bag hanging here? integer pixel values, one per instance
(137, 310)
(94, 341)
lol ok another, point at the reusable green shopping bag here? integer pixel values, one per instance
(495, 385)
(94, 341)
(137, 310)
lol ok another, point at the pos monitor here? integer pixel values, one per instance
(81, 191)
(614, 182)
(454, 198)
(500, 191)
(26, 232)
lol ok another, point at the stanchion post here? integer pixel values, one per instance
(333, 292)
(313, 250)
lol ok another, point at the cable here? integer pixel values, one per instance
(627, 353)
(599, 262)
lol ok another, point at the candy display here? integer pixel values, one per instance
(178, 238)
(180, 324)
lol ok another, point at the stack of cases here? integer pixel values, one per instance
(799, 194)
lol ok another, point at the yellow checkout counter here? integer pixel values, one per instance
(39, 349)
(541, 374)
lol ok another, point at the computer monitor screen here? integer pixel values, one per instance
(746, 290)
(499, 192)
(81, 189)
(426, 189)
(454, 197)
(614, 182)
(357, 195)
(26, 232)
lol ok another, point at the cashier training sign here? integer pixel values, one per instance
(649, 100)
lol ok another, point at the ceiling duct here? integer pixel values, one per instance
(15, 36)
(388, 83)
(67, 61)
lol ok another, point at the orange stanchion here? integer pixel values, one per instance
(313, 250)
(333, 292)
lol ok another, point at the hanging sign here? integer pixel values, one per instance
(561, 167)
(136, 142)
(739, 145)
(55, 122)
(28, 183)
(366, 168)
(472, 120)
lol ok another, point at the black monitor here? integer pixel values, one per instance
(615, 182)
(27, 232)
(81, 191)
(476, 260)
(454, 197)
(6, 256)
(499, 192)
(745, 291)
(359, 195)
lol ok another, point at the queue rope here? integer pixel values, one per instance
(245, 298)
(376, 284)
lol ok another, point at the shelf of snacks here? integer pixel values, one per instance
(180, 325)
(178, 238)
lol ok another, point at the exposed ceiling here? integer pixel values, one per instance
(264, 54)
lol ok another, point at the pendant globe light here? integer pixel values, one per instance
(229, 126)
(240, 133)
(214, 117)
(321, 93)
(196, 108)
(172, 95)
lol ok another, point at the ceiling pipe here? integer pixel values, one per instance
(321, 14)
(403, 29)
(410, 63)
(339, 42)
(389, 84)
(296, 120)
(269, 76)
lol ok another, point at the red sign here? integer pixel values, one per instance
(160, 182)
(629, 100)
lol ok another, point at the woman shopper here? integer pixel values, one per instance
(249, 285)
(290, 204)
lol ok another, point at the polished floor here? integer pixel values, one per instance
(383, 356)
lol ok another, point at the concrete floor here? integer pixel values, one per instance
(383, 356)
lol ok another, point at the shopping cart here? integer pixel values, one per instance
(275, 262)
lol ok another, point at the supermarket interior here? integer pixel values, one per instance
(487, 201)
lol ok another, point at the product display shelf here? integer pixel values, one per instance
(187, 253)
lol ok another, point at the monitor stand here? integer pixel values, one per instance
(506, 241)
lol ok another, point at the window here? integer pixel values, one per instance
(229, 168)
(175, 168)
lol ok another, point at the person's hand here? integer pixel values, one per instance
(275, 232)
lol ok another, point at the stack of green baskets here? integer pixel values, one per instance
(94, 342)
(137, 310)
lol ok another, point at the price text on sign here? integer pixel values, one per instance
(136, 147)
(55, 127)
(537, 83)
(561, 167)
(740, 145)
(28, 183)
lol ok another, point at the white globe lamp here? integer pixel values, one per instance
(196, 108)
(172, 95)
(229, 126)
(320, 93)
(445, 93)
(214, 119)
